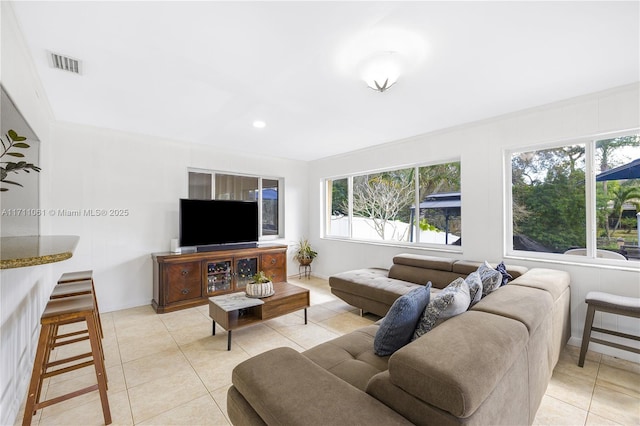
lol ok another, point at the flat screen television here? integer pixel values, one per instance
(215, 224)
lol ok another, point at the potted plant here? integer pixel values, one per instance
(304, 253)
(14, 141)
(260, 286)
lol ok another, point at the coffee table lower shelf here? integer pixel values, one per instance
(243, 312)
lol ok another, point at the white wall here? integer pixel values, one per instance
(91, 168)
(100, 169)
(24, 291)
(480, 147)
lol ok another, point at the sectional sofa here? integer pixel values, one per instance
(488, 365)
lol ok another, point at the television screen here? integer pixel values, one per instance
(215, 222)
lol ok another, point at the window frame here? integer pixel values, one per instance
(326, 204)
(589, 141)
(280, 180)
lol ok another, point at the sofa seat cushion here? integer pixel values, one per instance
(371, 283)
(456, 367)
(285, 388)
(530, 306)
(350, 357)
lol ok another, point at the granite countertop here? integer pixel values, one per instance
(18, 252)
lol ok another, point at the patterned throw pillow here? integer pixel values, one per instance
(451, 301)
(398, 325)
(505, 275)
(474, 282)
(491, 279)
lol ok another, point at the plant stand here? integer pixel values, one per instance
(306, 269)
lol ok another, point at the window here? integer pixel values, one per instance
(381, 206)
(266, 191)
(579, 198)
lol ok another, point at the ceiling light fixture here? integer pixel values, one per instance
(380, 55)
(381, 70)
(259, 124)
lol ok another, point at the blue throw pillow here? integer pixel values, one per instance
(397, 326)
(505, 275)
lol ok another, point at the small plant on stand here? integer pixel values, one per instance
(304, 254)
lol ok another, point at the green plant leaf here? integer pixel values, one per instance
(21, 145)
(12, 134)
(11, 182)
(15, 154)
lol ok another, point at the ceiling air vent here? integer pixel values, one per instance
(64, 63)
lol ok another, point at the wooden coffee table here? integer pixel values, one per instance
(233, 311)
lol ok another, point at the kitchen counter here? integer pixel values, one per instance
(18, 252)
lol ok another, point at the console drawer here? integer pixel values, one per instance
(186, 281)
(272, 261)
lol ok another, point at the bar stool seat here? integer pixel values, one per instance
(75, 288)
(76, 276)
(610, 303)
(60, 311)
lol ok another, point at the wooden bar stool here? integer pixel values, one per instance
(69, 278)
(77, 288)
(605, 302)
(65, 311)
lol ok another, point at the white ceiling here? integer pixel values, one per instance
(204, 71)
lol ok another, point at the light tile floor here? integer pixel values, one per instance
(169, 370)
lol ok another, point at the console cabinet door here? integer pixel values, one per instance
(245, 269)
(274, 266)
(185, 281)
(219, 275)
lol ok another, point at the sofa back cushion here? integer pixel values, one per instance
(529, 306)
(441, 271)
(413, 274)
(457, 365)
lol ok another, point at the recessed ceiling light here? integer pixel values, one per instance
(259, 124)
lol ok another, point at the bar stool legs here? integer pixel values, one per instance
(64, 311)
(605, 302)
(586, 334)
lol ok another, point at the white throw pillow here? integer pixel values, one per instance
(451, 301)
(491, 279)
(474, 282)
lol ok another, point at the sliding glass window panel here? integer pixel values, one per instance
(200, 186)
(337, 215)
(617, 168)
(439, 220)
(382, 205)
(234, 187)
(270, 200)
(548, 199)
